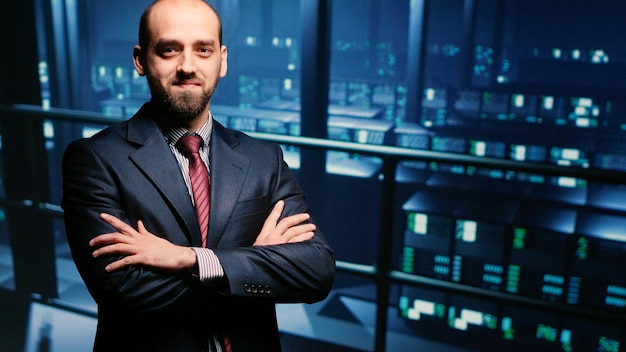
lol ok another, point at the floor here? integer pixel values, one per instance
(32, 325)
(344, 322)
(37, 327)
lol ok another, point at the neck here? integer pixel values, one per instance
(191, 123)
(196, 123)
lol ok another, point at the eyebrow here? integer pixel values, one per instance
(208, 42)
(167, 42)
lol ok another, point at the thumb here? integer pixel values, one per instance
(141, 228)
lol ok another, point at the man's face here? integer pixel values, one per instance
(184, 59)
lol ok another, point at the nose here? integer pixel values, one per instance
(187, 65)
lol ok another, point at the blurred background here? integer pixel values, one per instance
(465, 158)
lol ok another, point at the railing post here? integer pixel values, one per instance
(385, 247)
(315, 22)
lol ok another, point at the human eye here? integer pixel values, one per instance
(205, 51)
(166, 49)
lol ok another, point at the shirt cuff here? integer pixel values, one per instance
(209, 266)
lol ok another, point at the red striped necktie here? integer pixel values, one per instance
(200, 187)
(199, 177)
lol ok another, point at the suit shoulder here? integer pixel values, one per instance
(239, 138)
(102, 140)
(110, 131)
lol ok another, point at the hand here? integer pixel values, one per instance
(288, 230)
(140, 247)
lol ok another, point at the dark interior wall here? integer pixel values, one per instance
(19, 82)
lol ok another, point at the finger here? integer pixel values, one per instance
(297, 230)
(117, 223)
(276, 211)
(107, 239)
(119, 264)
(291, 221)
(302, 237)
(271, 220)
(113, 249)
(140, 227)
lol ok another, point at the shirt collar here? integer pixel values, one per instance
(173, 132)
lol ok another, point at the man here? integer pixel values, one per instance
(129, 195)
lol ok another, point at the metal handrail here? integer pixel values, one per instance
(382, 151)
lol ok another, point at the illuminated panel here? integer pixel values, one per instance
(448, 144)
(474, 320)
(286, 122)
(428, 235)
(456, 320)
(569, 157)
(484, 325)
(584, 113)
(478, 257)
(530, 330)
(478, 254)
(426, 245)
(523, 108)
(413, 136)
(586, 335)
(359, 130)
(532, 153)
(614, 159)
(551, 109)
(599, 260)
(561, 189)
(487, 148)
(423, 305)
(354, 112)
(538, 266)
(434, 107)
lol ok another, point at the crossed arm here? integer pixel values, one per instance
(141, 247)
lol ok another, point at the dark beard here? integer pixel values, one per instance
(184, 106)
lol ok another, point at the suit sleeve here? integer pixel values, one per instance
(294, 272)
(94, 183)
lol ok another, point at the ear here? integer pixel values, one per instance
(224, 63)
(139, 60)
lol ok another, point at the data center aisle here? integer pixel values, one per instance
(36, 327)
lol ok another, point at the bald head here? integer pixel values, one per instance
(144, 23)
(181, 55)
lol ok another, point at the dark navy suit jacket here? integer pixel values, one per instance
(128, 170)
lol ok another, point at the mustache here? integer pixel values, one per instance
(186, 79)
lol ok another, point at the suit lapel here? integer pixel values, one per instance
(159, 165)
(229, 170)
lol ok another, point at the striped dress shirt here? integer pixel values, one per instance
(209, 267)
